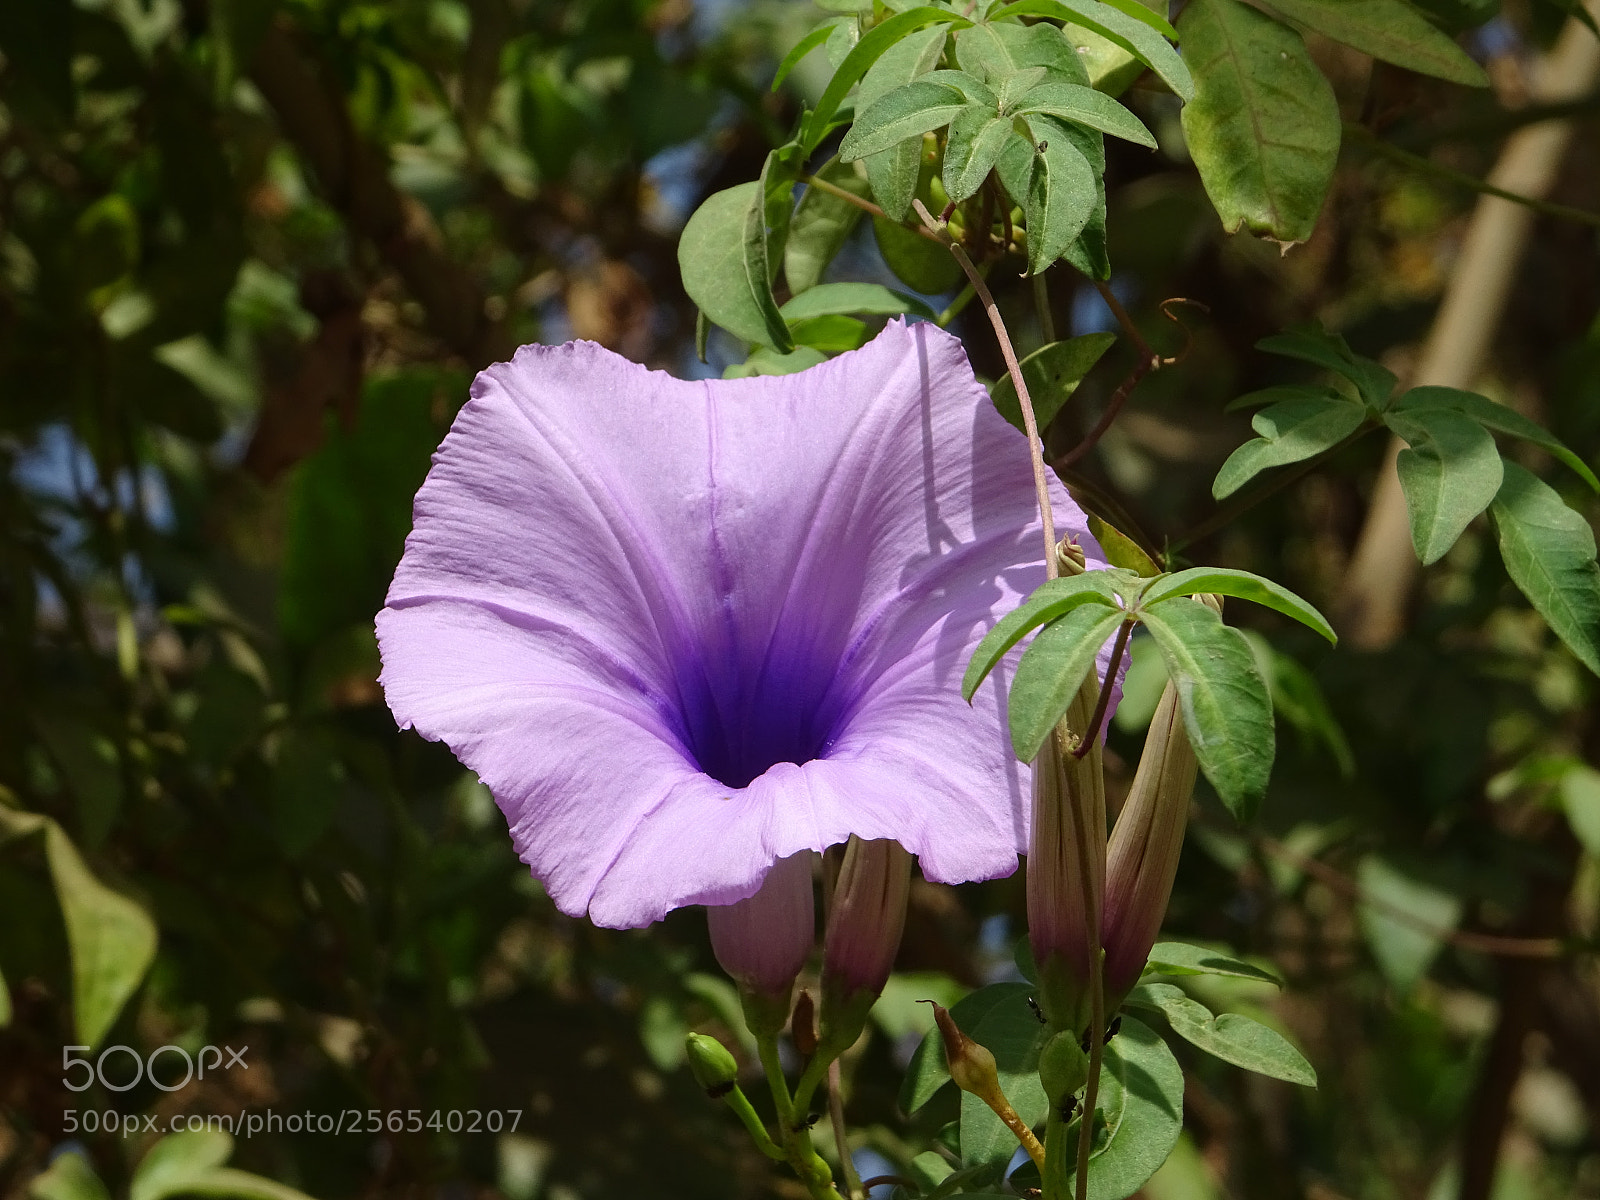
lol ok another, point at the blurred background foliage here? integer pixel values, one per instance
(252, 251)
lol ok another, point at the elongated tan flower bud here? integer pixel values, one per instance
(1058, 919)
(864, 927)
(1145, 845)
(763, 941)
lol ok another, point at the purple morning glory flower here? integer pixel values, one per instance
(683, 630)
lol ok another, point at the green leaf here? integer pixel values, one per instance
(1404, 949)
(1232, 1037)
(998, 51)
(872, 298)
(1148, 15)
(226, 1183)
(111, 939)
(927, 1071)
(1227, 709)
(1549, 552)
(1281, 392)
(765, 361)
(1085, 106)
(1134, 34)
(1011, 1032)
(976, 138)
(917, 108)
(1291, 431)
(821, 225)
(830, 334)
(1180, 958)
(176, 1160)
(920, 263)
(722, 255)
(1449, 475)
(1224, 581)
(1263, 127)
(1052, 373)
(1497, 417)
(1579, 790)
(1062, 191)
(866, 52)
(1313, 344)
(1141, 1102)
(1388, 29)
(1120, 549)
(1052, 670)
(894, 172)
(69, 1177)
(802, 48)
(1049, 601)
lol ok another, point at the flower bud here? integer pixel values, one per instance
(712, 1066)
(972, 1066)
(868, 916)
(1143, 857)
(1063, 1067)
(763, 941)
(1058, 921)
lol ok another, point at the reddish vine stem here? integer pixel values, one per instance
(1149, 361)
(1014, 369)
(1099, 717)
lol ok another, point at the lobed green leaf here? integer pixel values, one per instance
(894, 172)
(866, 52)
(1052, 373)
(1050, 600)
(1224, 581)
(1549, 552)
(919, 107)
(1227, 709)
(1052, 671)
(1085, 106)
(1316, 345)
(1497, 417)
(1232, 1037)
(1291, 430)
(1388, 29)
(1133, 33)
(1263, 127)
(1180, 958)
(1449, 475)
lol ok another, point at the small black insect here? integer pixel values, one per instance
(1037, 1011)
(1044, 145)
(1113, 1028)
(807, 1122)
(1069, 1109)
(719, 1090)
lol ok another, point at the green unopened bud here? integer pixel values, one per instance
(712, 1066)
(1063, 1067)
(1070, 559)
(971, 1065)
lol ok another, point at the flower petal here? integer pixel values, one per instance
(683, 629)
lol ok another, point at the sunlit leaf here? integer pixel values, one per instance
(1179, 958)
(1263, 127)
(1315, 345)
(1049, 601)
(1052, 373)
(1232, 1037)
(1225, 581)
(1085, 106)
(724, 265)
(1134, 34)
(893, 173)
(1051, 672)
(1388, 29)
(1291, 431)
(1227, 709)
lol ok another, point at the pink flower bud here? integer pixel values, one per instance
(1058, 921)
(1143, 858)
(763, 941)
(867, 918)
